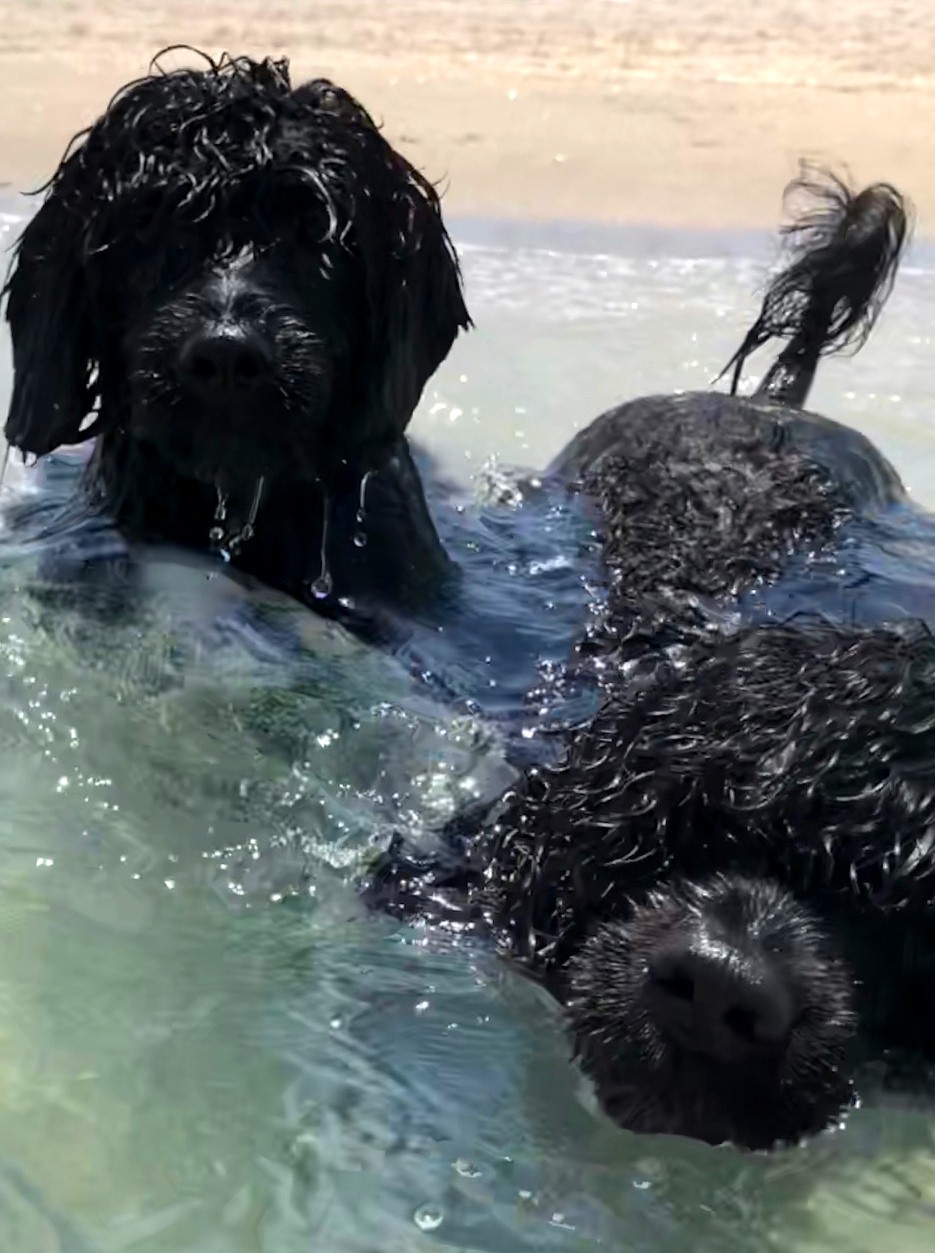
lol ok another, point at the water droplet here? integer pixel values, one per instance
(428, 1219)
(321, 586)
(360, 539)
(558, 1220)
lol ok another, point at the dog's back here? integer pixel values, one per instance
(703, 495)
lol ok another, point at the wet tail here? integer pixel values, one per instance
(844, 252)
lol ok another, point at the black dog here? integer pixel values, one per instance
(729, 881)
(700, 497)
(240, 289)
(743, 808)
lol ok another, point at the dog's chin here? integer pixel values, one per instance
(688, 1096)
(229, 452)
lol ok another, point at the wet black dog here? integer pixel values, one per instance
(700, 497)
(729, 881)
(241, 289)
(730, 869)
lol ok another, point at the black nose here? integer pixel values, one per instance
(223, 365)
(718, 1002)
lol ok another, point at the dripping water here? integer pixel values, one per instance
(323, 584)
(228, 546)
(360, 535)
(216, 534)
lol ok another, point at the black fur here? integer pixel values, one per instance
(772, 793)
(767, 1092)
(222, 204)
(702, 496)
(747, 816)
(844, 255)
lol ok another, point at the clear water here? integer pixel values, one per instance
(206, 1046)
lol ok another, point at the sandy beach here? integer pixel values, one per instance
(682, 112)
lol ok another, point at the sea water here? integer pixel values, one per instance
(206, 1044)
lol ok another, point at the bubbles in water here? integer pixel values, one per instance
(427, 1218)
(467, 1170)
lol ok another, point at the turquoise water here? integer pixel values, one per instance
(206, 1045)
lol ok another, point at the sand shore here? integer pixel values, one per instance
(682, 112)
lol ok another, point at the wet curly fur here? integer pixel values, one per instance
(756, 803)
(698, 497)
(800, 305)
(222, 201)
(772, 794)
(803, 752)
(705, 497)
(801, 758)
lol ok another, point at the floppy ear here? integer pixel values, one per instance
(415, 299)
(47, 308)
(412, 282)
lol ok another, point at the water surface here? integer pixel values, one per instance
(206, 1046)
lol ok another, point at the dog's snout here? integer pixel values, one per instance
(221, 365)
(716, 1003)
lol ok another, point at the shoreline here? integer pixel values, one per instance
(686, 115)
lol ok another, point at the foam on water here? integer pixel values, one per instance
(205, 1044)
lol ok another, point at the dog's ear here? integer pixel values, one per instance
(50, 329)
(415, 300)
(389, 217)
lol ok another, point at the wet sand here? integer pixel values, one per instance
(676, 112)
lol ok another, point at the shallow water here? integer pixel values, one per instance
(206, 1046)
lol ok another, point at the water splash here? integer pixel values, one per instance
(322, 586)
(428, 1218)
(6, 462)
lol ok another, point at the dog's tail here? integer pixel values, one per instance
(844, 250)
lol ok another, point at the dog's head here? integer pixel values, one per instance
(243, 274)
(719, 1010)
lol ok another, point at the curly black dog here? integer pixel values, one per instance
(729, 881)
(727, 878)
(702, 496)
(240, 288)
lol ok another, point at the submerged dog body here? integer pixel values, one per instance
(727, 878)
(701, 497)
(240, 289)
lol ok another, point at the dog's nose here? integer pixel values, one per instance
(219, 366)
(717, 1002)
